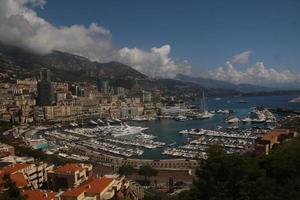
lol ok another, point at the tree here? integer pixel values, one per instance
(147, 172)
(126, 170)
(12, 192)
(243, 177)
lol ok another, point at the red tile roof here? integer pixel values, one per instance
(38, 195)
(19, 179)
(98, 185)
(14, 168)
(75, 192)
(69, 168)
(275, 133)
(91, 186)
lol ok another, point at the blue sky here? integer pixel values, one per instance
(242, 41)
(206, 33)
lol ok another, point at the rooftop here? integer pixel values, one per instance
(275, 133)
(38, 195)
(69, 168)
(91, 186)
(14, 168)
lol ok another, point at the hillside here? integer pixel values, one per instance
(216, 84)
(65, 66)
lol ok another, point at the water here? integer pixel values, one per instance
(167, 130)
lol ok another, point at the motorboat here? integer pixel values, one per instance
(232, 120)
(180, 118)
(247, 120)
(92, 122)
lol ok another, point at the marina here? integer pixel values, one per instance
(167, 136)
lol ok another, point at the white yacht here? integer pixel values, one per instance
(181, 118)
(205, 114)
(232, 120)
(140, 119)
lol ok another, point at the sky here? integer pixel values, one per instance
(253, 41)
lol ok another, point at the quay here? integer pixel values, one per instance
(116, 162)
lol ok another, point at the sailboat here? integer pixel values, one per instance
(205, 114)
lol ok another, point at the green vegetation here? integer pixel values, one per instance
(147, 172)
(126, 170)
(245, 177)
(37, 154)
(12, 192)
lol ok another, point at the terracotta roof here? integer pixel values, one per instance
(69, 168)
(274, 133)
(19, 179)
(38, 195)
(75, 192)
(91, 186)
(14, 168)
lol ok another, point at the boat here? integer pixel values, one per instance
(185, 131)
(92, 122)
(232, 120)
(226, 111)
(232, 127)
(139, 119)
(117, 120)
(243, 101)
(218, 99)
(172, 144)
(205, 113)
(73, 124)
(100, 121)
(247, 120)
(125, 130)
(180, 118)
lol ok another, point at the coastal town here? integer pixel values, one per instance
(149, 100)
(88, 124)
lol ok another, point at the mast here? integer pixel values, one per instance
(203, 102)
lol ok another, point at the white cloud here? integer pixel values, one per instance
(256, 74)
(20, 26)
(242, 58)
(156, 63)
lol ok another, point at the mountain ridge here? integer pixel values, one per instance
(218, 84)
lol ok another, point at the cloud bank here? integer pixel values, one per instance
(242, 58)
(256, 74)
(21, 26)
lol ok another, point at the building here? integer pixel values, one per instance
(102, 86)
(68, 176)
(76, 90)
(146, 96)
(103, 188)
(38, 114)
(266, 142)
(6, 150)
(27, 174)
(39, 195)
(45, 89)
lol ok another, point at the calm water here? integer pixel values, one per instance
(167, 130)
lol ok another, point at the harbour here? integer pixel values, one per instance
(235, 127)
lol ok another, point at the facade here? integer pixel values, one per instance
(6, 150)
(103, 86)
(27, 174)
(45, 89)
(266, 142)
(104, 188)
(45, 92)
(68, 176)
(39, 195)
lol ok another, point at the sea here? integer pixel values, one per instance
(167, 130)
